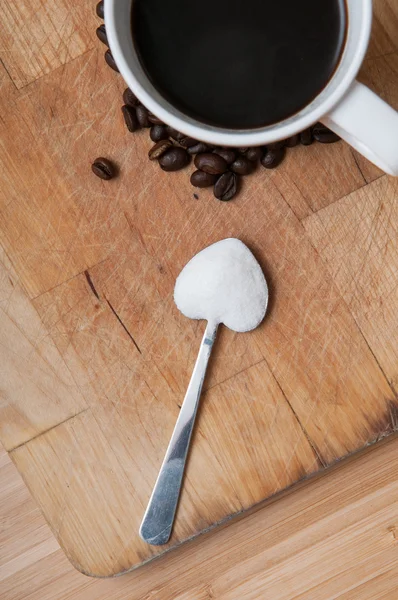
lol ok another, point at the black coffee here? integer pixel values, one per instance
(239, 63)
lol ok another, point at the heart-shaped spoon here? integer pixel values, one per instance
(222, 284)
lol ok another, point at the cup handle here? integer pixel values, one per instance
(369, 125)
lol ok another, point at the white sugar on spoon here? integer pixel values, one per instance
(222, 284)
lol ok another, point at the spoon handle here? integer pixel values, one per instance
(158, 520)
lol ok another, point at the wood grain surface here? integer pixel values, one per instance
(97, 357)
(334, 537)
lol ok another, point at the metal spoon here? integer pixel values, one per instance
(159, 516)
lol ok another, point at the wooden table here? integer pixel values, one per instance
(334, 537)
(95, 355)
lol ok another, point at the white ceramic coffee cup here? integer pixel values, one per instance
(346, 106)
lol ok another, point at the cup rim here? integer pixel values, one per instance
(225, 137)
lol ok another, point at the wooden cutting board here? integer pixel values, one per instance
(95, 356)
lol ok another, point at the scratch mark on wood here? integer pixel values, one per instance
(9, 74)
(393, 407)
(91, 284)
(317, 453)
(235, 374)
(388, 380)
(130, 224)
(10, 451)
(136, 232)
(123, 325)
(359, 168)
(65, 281)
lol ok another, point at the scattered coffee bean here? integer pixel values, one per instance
(324, 135)
(100, 9)
(273, 157)
(211, 163)
(306, 138)
(201, 179)
(198, 148)
(130, 98)
(103, 168)
(130, 118)
(276, 145)
(254, 154)
(174, 159)
(101, 34)
(154, 119)
(292, 141)
(187, 142)
(111, 61)
(242, 166)
(228, 154)
(159, 149)
(158, 132)
(226, 186)
(142, 116)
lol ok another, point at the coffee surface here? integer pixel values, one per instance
(239, 64)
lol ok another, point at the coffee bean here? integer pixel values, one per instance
(243, 149)
(273, 158)
(159, 149)
(201, 179)
(226, 186)
(103, 168)
(254, 154)
(130, 118)
(100, 9)
(242, 166)
(211, 163)
(187, 142)
(111, 61)
(228, 154)
(199, 148)
(174, 159)
(142, 116)
(101, 34)
(276, 145)
(306, 138)
(154, 119)
(173, 133)
(323, 135)
(292, 141)
(158, 132)
(129, 98)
